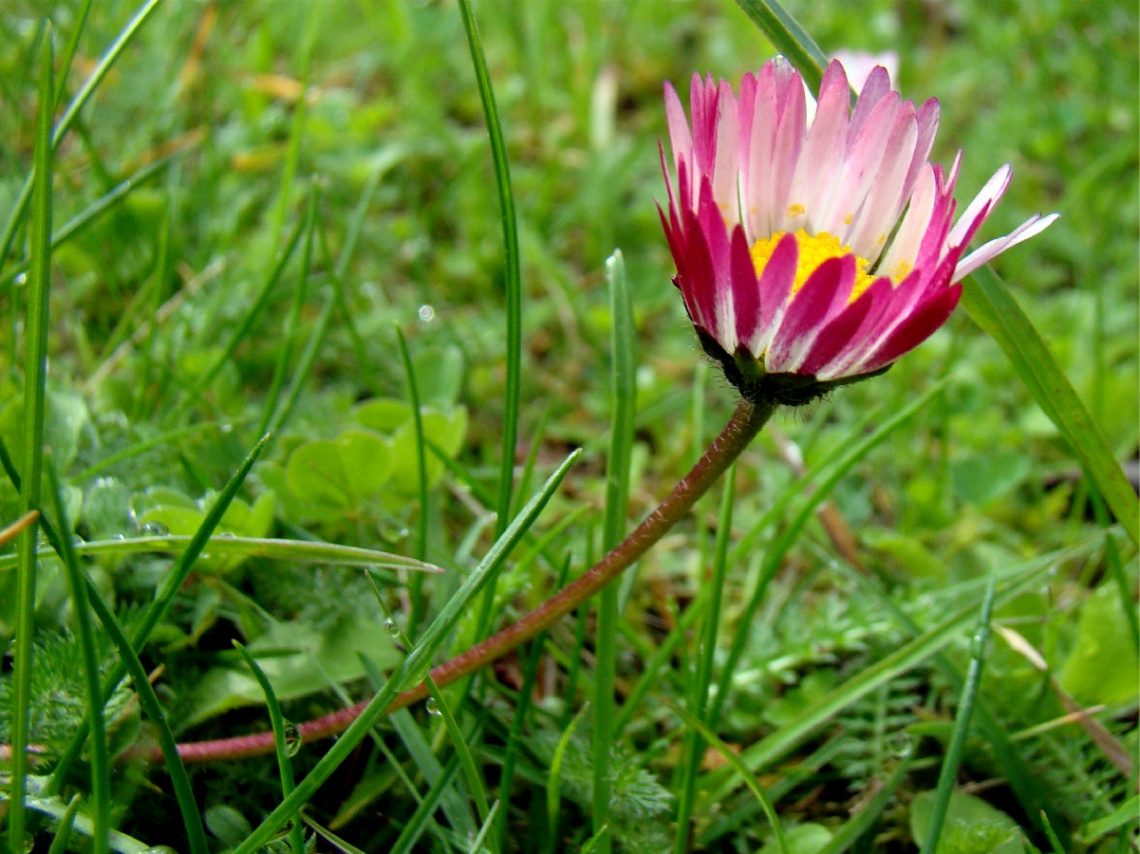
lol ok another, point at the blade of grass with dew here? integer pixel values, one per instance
(694, 743)
(623, 396)
(733, 759)
(990, 304)
(35, 390)
(148, 700)
(440, 706)
(69, 115)
(554, 780)
(63, 831)
(164, 598)
(719, 783)
(293, 321)
(248, 320)
(280, 743)
(416, 591)
(953, 760)
(776, 551)
(850, 831)
(788, 37)
(297, 551)
(85, 632)
(414, 667)
(513, 275)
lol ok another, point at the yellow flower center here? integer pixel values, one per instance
(813, 251)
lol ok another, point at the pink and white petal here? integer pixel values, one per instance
(927, 318)
(979, 208)
(787, 150)
(745, 289)
(988, 251)
(822, 153)
(874, 89)
(703, 106)
(760, 152)
(841, 331)
(928, 116)
(879, 212)
(726, 167)
(720, 253)
(774, 287)
(903, 249)
(871, 306)
(680, 137)
(861, 162)
(746, 104)
(823, 294)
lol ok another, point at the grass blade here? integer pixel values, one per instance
(179, 780)
(554, 780)
(72, 112)
(993, 308)
(954, 753)
(293, 322)
(63, 831)
(163, 599)
(789, 38)
(421, 482)
(624, 396)
(299, 551)
(414, 666)
(775, 553)
(100, 760)
(698, 702)
(412, 831)
(719, 783)
(695, 723)
(35, 381)
(280, 740)
(511, 257)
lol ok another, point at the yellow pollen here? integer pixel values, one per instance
(813, 251)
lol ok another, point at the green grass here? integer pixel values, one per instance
(382, 233)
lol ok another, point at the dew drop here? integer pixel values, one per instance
(391, 626)
(226, 427)
(155, 529)
(226, 535)
(432, 707)
(426, 313)
(21, 280)
(293, 739)
(118, 537)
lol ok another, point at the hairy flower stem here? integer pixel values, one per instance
(746, 422)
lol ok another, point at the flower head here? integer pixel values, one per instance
(812, 254)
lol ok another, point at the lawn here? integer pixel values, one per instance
(339, 336)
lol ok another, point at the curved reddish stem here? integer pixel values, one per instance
(746, 422)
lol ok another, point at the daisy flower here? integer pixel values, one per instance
(814, 253)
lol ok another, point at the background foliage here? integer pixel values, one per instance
(174, 344)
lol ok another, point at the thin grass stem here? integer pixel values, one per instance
(35, 383)
(957, 746)
(417, 581)
(100, 759)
